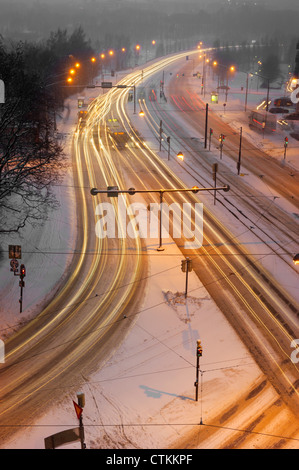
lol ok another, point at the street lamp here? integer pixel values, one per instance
(228, 68)
(296, 259)
(180, 155)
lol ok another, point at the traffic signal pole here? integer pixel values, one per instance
(286, 141)
(22, 284)
(198, 355)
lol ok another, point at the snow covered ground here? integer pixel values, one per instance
(144, 395)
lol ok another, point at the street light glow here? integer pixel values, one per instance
(180, 155)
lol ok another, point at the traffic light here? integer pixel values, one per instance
(211, 131)
(286, 141)
(22, 270)
(199, 348)
(183, 265)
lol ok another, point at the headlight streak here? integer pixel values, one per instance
(152, 157)
(82, 347)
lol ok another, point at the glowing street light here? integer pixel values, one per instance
(180, 155)
(296, 259)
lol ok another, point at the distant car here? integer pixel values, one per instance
(278, 111)
(283, 102)
(293, 117)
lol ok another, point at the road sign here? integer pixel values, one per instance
(78, 410)
(14, 264)
(14, 252)
(106, 84)
(61, 438)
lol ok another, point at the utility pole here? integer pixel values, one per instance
(206, 124)
(161, 131)
(22, 284)
(168, 141)
(186, 266)
(210, 138)
(240, 152)
(198, 355)
(215, 169)
(246, 93)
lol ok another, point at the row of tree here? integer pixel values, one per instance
(263, 57)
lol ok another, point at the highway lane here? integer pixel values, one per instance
(85, 320)
(247, 298)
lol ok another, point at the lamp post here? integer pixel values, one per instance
(228, 68)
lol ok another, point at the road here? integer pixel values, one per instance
(85, 321)
(263, 314)
(71, 337)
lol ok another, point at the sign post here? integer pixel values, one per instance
(79, 410)
(69, 435)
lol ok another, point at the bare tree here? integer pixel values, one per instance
(30, 157)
